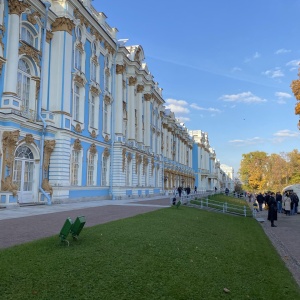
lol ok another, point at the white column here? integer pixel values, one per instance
(131, 108)
(140, 89)
(10, 85)
(147, 98)
(46, 74)
(119, 100)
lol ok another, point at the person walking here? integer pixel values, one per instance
(279, 202)
(287, 204)
(260, 201)
(272, 213)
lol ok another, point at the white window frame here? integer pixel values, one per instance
(92, 159)
(105, 170)
(76, 170)
(27, 31)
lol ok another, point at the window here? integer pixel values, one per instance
(105, 118)
(78, 59)
(91, 169)
(92, 112)
(75, 166)
(76, 104)
(29, 35)
(93, 71)
(104, 171)
(79, 33)
(128, 172)
(23, 83)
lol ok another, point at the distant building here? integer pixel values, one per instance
(81, 115)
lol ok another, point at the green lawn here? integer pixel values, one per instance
(172, 253)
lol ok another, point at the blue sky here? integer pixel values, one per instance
(225, 66)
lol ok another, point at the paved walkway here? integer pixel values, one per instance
(23, 224)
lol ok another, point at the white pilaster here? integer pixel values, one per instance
(131, 108)
(119, 100)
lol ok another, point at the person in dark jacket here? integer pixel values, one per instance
(272, 213)
(279, 202)
(260, 199)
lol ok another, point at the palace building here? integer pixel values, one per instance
(81, 115)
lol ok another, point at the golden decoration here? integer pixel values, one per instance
(29, 139)
(49, 36)
(31, 52)
(31, 18)
(106, 152)
(78, 128)
(93, 149)
(107, 99)
(109, 48)
(46, 186)
(147, 97)
(140, 88)
(2, 62)
(16, 7)
(106, 139)
(107, 72)
(120, 69)
(77, 145)
(63, 24)
(123, 159)
(8, 185)
(132, 80)
(93, 134)
(79, 80)
(95, 90)
(48, 149)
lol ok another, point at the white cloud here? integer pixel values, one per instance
(247, 142)
(282, 51)
(274, 73)
(282, 97)
(245, 97)
(210, 109)
(293, 64)
(236, 69)
(282, 135)
(256, 55)
(177, 106)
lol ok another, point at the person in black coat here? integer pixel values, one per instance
(260, 199)
(272, 213)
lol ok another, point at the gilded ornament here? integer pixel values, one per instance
(78, 128)
(77, 145)
(106, 139)
(106, 152)
(48, 149)
(109, 48)
(2, 62)
(140, 88)
(132, 80)
(17, 7)
(49, 36)
(46, 186)
(93, 134)
(93, 149)
(29, 139)
(120, 69)
(32, 17)
(63, 24)
(31, 52)
(8, 185)
(147, 97)
(95, 90)
(79, 79)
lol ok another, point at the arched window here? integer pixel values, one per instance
(104, 171)
(29, 35)
(75, 167)
(91, 169)
(23, 83)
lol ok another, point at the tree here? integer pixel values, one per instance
(252, 170)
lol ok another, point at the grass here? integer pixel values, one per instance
(172, 253)
(235, 205)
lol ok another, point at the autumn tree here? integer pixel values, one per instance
(252, 170)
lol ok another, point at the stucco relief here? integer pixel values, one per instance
(140, 88)
(49, 146)
(63, 24)
(147, 97)
(78, 128)
(145, 164)
(46, 186)
(123, 159)
(106, 152)
(109, 48)
(32, 17)
(80, 17)
(93, 149)
(31, 52)
(9, 144)
(120, 69)
(49, 36)
(16, 7)
(132, 81)
(77, 145)
(93, 134)
(2, 62)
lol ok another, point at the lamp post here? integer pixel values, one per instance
(119, 43)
